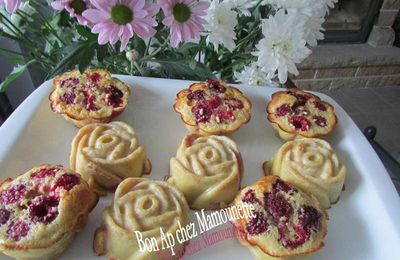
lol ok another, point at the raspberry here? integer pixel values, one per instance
(66, 181)
(215, 86)
(114, 96)
(234, 103)
(258, 224)
(214, 102)
(283, 110)
(300, 237)
(278, 206)
(68, 97)
(17, 230)
(43, 173)
(282, 186)
(202, 113)
(223, 114)
(320, 106)
(250, 197)
(72, 82)
(89, 102)
(95, 77)
(300, 123)
(309, 217)
(4, 216)
(44, 209)
(196, 95)
(13, 194)
(320, 121)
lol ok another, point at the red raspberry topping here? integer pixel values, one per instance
(4, 216)
(278, 206)
(216, 86)
(214, 102)
(234, 103)
(70, 82)
(68, 97)
(89, 102)
(196, 95)
(309, 217)
(283, 110)
(95, 77)
(301, 236)
(114, 96)
(300, 123)
(66, 181)
(202, 112)
(223, 114)
(320, 106)
(282, 186)
(17, 230)
(13, 194)
(250, 197)
(44, 209)
(258, 224)
(320, 121)
(45, 172)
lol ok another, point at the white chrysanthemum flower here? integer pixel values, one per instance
(329, 4)
(283, 44)
(221, 23)
(243, 6)
(302, 6)
(254, 76)
(313, 29)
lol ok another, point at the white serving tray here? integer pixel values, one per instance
(365, 224)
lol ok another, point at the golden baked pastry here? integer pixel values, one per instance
(141, 205)
(287, 222)
(106, 154)
(208, 170)
(41, 210)
(296, 113)
(212, 108)
(312, 165)
(89, 97)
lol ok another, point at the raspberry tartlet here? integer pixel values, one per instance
(89, 97)
(140, 208)
(286, 221)
(296, 113)
(312, 165)
(213, 108)
(106, 154)
(208, 170)
(42, 210)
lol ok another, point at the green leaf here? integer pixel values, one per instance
(15, 73)
(139, 45)
(102, 52)
(85, 32)
(180, 69)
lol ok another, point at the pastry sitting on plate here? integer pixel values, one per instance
(212, 108)
(296, 113)
(208, 170)
(312, 165)
(139, 209)
(42, 210)
(106, 154)
(286, 221)
(93, 96)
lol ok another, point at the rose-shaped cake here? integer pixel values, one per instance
(42, 210)
(286, 223)
(297, 113)
(208, 170)
(140, 205)
(106, 154)
(89, 97)
(213, 108)
(312, 165)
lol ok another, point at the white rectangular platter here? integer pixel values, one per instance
(365, 224)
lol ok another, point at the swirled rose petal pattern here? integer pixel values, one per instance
(207, 169)
(311, 164)
(140, 205)
(106, 154)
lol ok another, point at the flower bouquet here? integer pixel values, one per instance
(255, 42)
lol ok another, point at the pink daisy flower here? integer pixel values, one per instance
(116, 19)
(11, 5)
(184, 19)
(75, 8)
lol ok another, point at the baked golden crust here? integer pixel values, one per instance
(312, 165)
(146, 206)
(213, 108)
(89, 97)
(208, 170)
(296, 113)
(41, 210)
(287, 221)
(106, 154)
